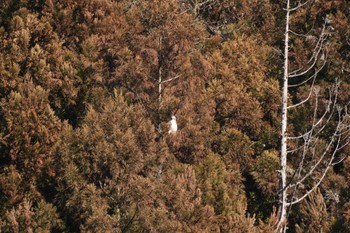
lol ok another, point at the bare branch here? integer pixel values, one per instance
(301, 164)
(299, 6)
(278, 51)
(318, 183)
(328, 110)
(171, 79)
(344, 157)
(312, 159)
(300, 136)
(200, 4)
(312, 76)
(308, 137)
(305, 149)
(307, 98)
(314, 58)
(296, 149)
(330, 164)
(311, 190)
(344, 145)
(310, 172)
(300, 34)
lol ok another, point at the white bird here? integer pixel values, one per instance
(173, 125)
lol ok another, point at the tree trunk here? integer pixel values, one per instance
(283, 160)
(160, 81)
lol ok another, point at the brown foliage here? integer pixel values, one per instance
(83, 143)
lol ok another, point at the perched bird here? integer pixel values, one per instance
(173, 125)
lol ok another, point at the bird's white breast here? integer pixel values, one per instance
(173, 126)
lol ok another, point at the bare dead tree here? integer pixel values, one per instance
(161, 83)
(316, 154)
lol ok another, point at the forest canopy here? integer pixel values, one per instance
(88, 87)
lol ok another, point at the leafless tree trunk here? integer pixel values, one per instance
(283, 159)
(324, 159)
(160, 87)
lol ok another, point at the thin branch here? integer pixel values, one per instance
(301, 136)
(310, 134)
(305, 149)
(278, 51)
(171, 79)
(345, 128)
(312, 76)
(296, 149)
(342, 146)
(306, 99)
(321, 158)
(315, 166)
(318, 183)
(318, 162)
(299, 6)
(306, 136)
(314, 125)
(300, 34)
(313, 59)
(318, 47)
(205, 2)
(328, 109)
(342, 159)
(301, 164)
(128, 224)
(311, 190)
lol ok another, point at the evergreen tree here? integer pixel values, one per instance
(87, 88)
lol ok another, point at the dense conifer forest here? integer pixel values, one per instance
(88, 87)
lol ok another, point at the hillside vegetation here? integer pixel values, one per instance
(88, 87)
